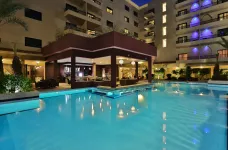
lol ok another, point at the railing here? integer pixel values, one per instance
(202, 57)
(74, 27)
(148, 35)
(75, 9)
(149, 11)
(93, 17)
(200, 38)
(203, 7)
(148, 23)
(201, 23)
(97, 2)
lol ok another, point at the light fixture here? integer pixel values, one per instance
(121, 61)
(140, 62)
(133, 63)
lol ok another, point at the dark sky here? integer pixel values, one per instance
(141, 2)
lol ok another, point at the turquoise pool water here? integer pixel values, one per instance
(166, 117)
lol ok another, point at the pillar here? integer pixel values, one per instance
(56, 74)
(137, 70)
(113, 71)
(149, 70)
(94, 69)
(73, 61)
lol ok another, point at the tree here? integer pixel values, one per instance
(181, 72)
(8, 9)
(16, 64)
(223, 43)
(216, 75)
(188, 73)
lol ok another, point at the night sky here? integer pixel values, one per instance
(141, 2)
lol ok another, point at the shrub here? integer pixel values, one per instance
(188, 72)
(182, 79)
(15, 84)
(152, 75)
(168, 76)
(173, 78)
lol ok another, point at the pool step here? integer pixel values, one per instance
(120, 92)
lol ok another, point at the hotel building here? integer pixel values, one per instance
(186, 31)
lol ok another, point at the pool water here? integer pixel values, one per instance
(166, 117)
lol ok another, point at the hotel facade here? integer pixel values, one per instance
(184, 31)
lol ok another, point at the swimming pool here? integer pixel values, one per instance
(166, 117)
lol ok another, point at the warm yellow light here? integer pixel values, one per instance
(140, 98)
(201, 94)
(164, 115)
(93, 112)
(146, 18)
(121, 113)
(132, 109)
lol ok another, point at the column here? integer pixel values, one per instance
(149, 70)
(136, 70)
(56, 74)
(113, 71)
(94, 69)
(73, 61)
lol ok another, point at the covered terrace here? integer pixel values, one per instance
(113, 50)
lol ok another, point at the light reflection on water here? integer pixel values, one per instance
(169, 116)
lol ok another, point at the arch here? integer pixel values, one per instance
(206, 33)
(195, 7)
(195, 35)
(206, 17)
(195, 21)
(207, 3)
(206, 49)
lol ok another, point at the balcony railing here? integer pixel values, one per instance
(97, 2)
(200, 38)
(75, 9)
(202, 7)
(201, 57)
(149, 11)
(74, 27)
(202, 23)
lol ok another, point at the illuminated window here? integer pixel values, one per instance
(164, 42)
(183, 56)
(109, 10)
(164, 5)
(151, 22)
(223, 53)
(91, 32)
(164, 18)
(126, 31)
(164, 31)
(126, 19)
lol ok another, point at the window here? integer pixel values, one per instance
(151, 33)
(33, 14)
(136, 24)
(164, 31)
(222, 32)
(136, 34)
(164, 18)
(109, 24)
(127, 8)
(109, 10)
(91, 32)
(223, 53)
(223, 16)
(31, 42)
(126, 19)
(182, 12)
(164, 42)
(182, 39)
(90, 16)
(182, 26)
(183, 56)
(126, 31)
(164, 5)
(135, 14)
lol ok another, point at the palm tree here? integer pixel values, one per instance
(8, 9)
(16, 64)
(223, 43)
(1, 68)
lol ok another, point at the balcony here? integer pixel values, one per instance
(94, 5)
(72, 28)
(149, 13)
(202, 59)
(81, 16)
(203, 23)
(198, 41)
(203, 8)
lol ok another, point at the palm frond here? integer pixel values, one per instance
(15, 20)
(8, 8)
(223, 43)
